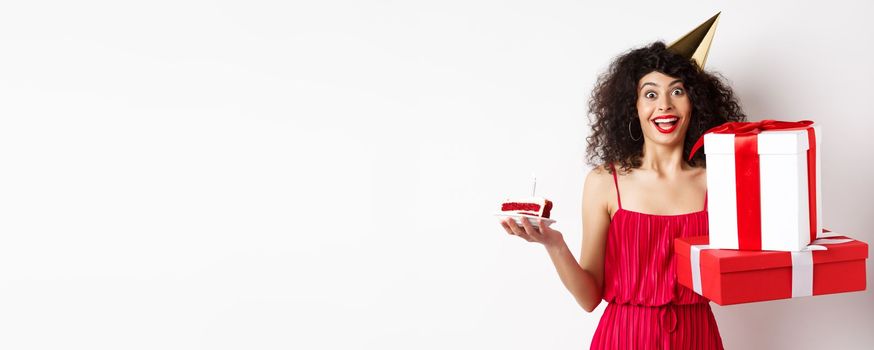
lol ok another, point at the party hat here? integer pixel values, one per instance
(696, 44)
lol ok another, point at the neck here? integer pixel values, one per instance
(665, 160)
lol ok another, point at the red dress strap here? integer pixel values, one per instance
(616, 182)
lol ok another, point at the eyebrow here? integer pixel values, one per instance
(654, 84)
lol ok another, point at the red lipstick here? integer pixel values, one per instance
(666, 124)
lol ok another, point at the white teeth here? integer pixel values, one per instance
(665, 120)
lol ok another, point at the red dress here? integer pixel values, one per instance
(647, 308)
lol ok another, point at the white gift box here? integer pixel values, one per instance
(783, 188)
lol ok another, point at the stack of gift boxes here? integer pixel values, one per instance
(766, 240)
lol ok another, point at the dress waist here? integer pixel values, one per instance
(666, 314)
(674, 303)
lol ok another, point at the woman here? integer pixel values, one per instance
(646, 112)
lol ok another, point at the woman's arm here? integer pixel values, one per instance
(584, 279)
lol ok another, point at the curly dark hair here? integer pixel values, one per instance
(613, 105)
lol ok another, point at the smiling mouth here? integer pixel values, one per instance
(666, 124)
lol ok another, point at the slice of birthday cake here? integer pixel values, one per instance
(533, 206)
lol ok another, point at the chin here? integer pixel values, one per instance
(675, 138)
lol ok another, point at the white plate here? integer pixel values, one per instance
(531, 219)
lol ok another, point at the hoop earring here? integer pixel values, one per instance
(632, 136)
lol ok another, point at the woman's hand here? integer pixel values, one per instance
(541, 234)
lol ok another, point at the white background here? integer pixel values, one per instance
(322, 175)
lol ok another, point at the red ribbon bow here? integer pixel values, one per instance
(749, 129)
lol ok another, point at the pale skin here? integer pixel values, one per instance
(663, 185)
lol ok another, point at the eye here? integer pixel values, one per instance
(650, 94)
(677, 92)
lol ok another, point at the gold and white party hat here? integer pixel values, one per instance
(696, 44)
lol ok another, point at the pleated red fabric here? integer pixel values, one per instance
(647, 308)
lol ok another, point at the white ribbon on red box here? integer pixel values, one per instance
(802, 265)
(695, 256)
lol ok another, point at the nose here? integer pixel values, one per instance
(665, 104)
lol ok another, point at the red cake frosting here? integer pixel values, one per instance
(533, 206)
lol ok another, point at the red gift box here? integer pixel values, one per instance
(727, 276)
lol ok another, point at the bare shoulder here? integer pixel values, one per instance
(700, 175)
(598, 188)
(599, 179)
